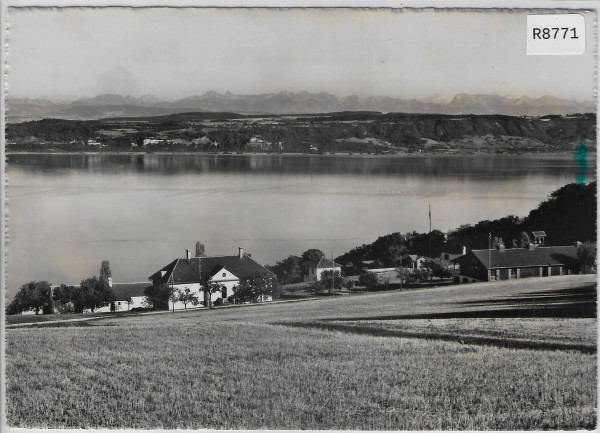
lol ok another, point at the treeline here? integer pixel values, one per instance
(39, 296)
(53, 129)
(569, 215)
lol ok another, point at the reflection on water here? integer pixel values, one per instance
(431, 166)
(69, 212)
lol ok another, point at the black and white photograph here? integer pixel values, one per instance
(299, 216)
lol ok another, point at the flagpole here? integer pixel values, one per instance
(489, 256)
(430, 231)
(332, 275)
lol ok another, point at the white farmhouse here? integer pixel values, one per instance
(226, 271)
(317, 267)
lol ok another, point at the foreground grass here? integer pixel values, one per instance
(188, 374)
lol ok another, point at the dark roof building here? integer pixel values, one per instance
(325, 263)
(124, 291)
(504, 264)
(196, 269)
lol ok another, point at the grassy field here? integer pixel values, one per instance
(326, 364)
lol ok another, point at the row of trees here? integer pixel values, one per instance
(39, 296)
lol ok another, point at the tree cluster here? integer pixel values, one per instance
(329, 282)
(91, 294)
(35, 295)
(391, 251)
(294, 268)
(255, 289)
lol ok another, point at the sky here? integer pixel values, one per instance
(177, 52)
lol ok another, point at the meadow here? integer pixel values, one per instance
(277, 367)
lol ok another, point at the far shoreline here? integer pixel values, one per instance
(325, 154)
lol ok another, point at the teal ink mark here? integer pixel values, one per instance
(580, 158)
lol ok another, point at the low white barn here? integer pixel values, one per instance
(129, 296)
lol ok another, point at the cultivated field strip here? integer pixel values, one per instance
(494, 334)
(435, 302)
(251, 375)
(338, 363)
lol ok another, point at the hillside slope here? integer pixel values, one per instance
(359, 132)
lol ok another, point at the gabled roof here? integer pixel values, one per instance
(539, 234)
(324, 262)
(521, 257)
(182, 271)
(123, 291)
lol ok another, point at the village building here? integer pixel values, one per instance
(318, 266)
(448, 256)
(385, 275)
(129, 296)
(416, 262)
(226, 271)
(506, 264)
(258, 143)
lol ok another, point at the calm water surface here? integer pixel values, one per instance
(69, 212)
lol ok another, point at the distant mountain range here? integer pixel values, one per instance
(107, 105)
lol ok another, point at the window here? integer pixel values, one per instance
(223, 274)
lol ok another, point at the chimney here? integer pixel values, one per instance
(464, 250)
(109, 281)
(188, 254)
(500, 247)
(240, 252)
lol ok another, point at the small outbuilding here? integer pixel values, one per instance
(129, 296)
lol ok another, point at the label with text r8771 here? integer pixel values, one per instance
(555, 34)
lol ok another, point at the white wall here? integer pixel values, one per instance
(230, 281)
(226, 279)
(321, 270)
(194, 288)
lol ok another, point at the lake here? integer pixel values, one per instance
(69, 212)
